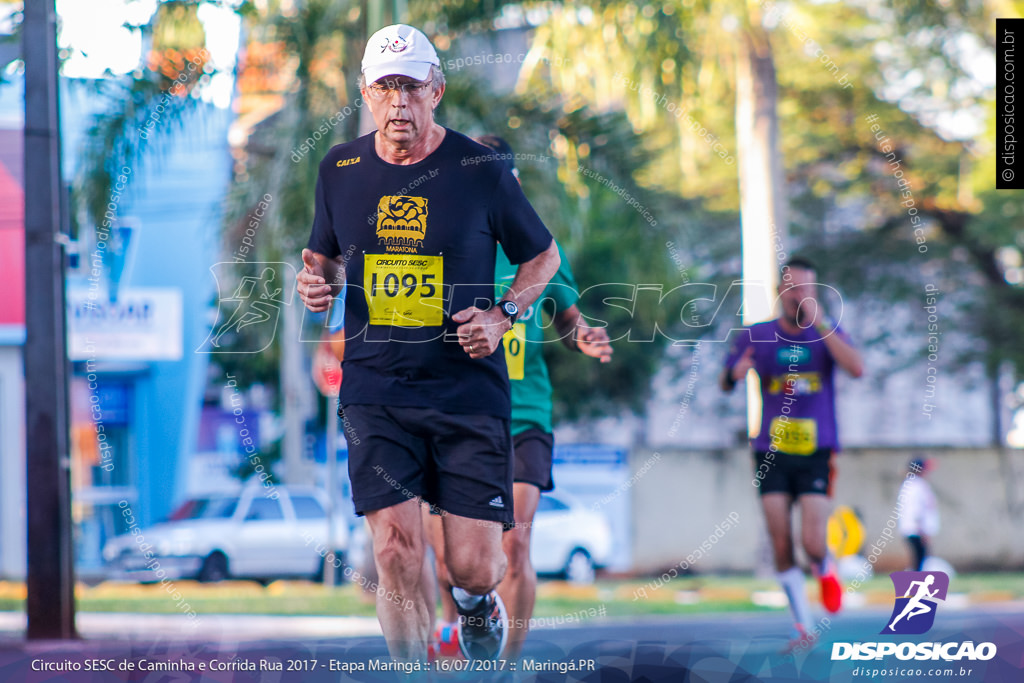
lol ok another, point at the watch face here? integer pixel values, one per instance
(510, 308)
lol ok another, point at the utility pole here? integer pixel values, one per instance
(762, 187)
(50, 603)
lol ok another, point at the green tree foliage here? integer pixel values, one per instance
(577, 168)
(643, 94)
(913, 67)
(893, 221)
(281, 156)
(160, 91)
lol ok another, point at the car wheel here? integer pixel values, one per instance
(579, 568)
(215, 568)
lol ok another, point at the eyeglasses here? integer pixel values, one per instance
(379, 91)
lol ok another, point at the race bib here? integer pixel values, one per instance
(515, 351)
(796, 436)
(404, 290)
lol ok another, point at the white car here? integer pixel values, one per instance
(259, 533)
(569, 539)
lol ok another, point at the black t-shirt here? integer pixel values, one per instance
(419, 242)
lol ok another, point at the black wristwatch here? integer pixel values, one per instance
(510, 310)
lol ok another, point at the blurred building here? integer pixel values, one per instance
(12, 370)
(132, 336)
(134, 321)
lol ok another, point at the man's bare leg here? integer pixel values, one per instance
(814, 511)
(398, 552)
(435, 536)
(428, 579)
(476, 564)
(473, 554)
(777, 514)
(519, 587)
(776, 508)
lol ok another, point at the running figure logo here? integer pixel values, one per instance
(255, 302)
(914, 612)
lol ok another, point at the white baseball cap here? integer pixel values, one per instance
(398, 50)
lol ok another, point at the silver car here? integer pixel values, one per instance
(260, 533)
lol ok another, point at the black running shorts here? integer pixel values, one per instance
(796, 475)
(461, 464)
(534, 452)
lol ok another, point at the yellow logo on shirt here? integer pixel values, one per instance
(348, 162)
(401, 223)
(795, 384)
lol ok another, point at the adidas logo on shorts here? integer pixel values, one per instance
(497, 502)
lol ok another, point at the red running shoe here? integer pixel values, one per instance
(446, 638)
(831, 590)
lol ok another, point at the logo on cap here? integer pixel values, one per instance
(397, 44)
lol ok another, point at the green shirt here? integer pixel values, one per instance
(527, 371)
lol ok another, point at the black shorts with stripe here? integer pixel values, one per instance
(796, 475)
(461, 464)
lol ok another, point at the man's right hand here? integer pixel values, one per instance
(312, 285)
(743, 365)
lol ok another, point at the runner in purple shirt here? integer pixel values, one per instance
(794, 357)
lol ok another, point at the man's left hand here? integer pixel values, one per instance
(481, 331)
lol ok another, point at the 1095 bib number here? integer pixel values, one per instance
(408, 285)
(404, 291)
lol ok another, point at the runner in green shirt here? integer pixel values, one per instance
(527, 370)
(532, 439)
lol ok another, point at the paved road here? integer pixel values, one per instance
(726, 648)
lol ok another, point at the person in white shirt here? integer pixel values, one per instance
(919, 515)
